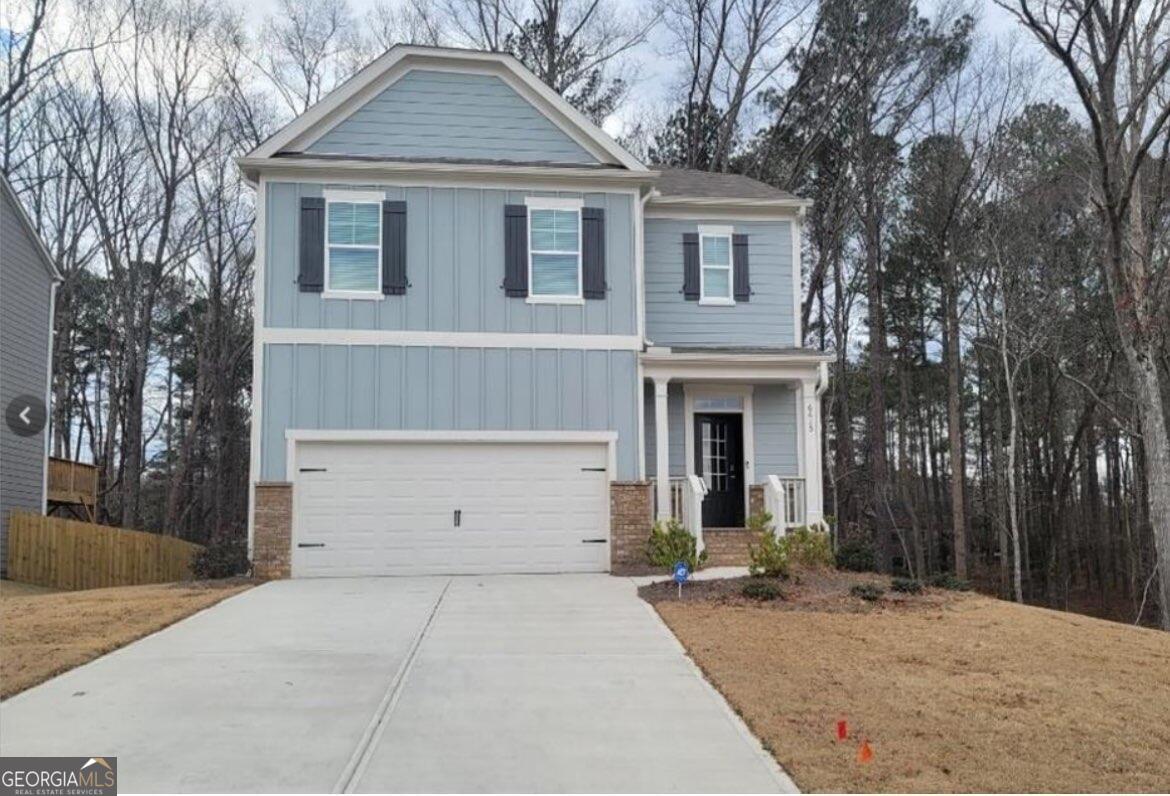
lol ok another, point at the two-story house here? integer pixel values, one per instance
(488, 339)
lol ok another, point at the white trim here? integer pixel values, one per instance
(534, 203)
(295, 435)
(369, 81)
(440, 174)
(348, 196)
(407, 337)
(796, 229)
(554, 203)
(747, 212)
(662, 448)
(353, 295)
(666, 203)
(353, 195)
(48, 429)
(717, 301)
(638, 208)
(258, 294)
(744, 392)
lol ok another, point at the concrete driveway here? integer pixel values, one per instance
(502, 683)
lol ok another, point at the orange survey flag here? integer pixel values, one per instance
(864, 752)
(842, 730)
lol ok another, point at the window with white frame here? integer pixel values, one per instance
(353, 243)
(554, 250)
(715, 277)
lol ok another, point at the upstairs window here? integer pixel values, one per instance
(715, 272)
(353, 244)
(554, 246)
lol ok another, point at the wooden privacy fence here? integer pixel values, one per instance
(68, 554)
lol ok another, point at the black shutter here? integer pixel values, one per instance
(515, 251)
(739, 259)
(593, 252)
(311, 276)
(393, 248)
(691, 266)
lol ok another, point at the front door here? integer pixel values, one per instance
(719, 462)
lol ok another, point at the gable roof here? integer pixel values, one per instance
(29, 229)
(710, 185)
(346, 99)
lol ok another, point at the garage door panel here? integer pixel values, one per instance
(388, 508)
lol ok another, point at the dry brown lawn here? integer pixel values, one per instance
(11, 588)
(954, 692)
(44, 634)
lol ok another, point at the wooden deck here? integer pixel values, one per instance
(73, 484)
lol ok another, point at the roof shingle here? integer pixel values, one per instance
(706, 184)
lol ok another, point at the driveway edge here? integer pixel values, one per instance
(783, 781)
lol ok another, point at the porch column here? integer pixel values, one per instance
(811, 430)
(661, 449)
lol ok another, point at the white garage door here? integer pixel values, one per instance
(414, 508)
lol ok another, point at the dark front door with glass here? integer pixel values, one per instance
(719, 462)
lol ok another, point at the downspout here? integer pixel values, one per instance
(640, 277)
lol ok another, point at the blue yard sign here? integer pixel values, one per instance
(681, 573)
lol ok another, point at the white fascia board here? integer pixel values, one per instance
(382, 435)
(406, 337)
(472, 175)
(399, 59)
(723, 211)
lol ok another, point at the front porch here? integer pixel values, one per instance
(735, 432)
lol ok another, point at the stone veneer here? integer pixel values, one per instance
(630, 518)
(272, 531)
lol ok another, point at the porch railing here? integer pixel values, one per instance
(784, 498)
(686, 504)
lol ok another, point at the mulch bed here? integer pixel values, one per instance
(807, 590)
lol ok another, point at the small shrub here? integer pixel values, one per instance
(223, 557)
(762, 590)
(669, 543)
(947, 580)
(870, 592)
(856, 555)
(808, 548)
(769, 557)
(906, 585)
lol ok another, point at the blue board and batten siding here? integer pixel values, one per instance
(455, 268)
(765, 320)
(310, 386)
(431, 115)
(773, 427)
(25, 301)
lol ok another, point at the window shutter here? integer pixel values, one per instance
(739, 259)
(593, 252)
(393, 248)
(311, 274)
(515, 251)
(691, 266)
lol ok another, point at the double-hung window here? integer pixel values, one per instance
(554, 250)
(353, 244)
(715, 272)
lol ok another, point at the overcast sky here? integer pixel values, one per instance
(655, 70)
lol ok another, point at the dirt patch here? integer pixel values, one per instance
(44, 634)
(955, 692)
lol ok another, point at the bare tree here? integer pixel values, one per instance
(302, 49)
(1117, 56)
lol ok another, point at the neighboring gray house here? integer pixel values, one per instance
(483, 329)
(28, 280)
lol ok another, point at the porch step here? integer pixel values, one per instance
(727, 547)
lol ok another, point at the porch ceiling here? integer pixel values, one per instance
(738, 364)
